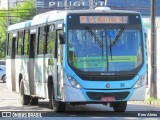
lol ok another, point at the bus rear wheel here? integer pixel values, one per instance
(58, 106)
(119, 106)
(24, 99)
(34, 101)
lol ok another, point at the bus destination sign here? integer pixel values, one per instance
(104, 19)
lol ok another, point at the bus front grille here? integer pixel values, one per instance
(106, 78)
(99, 95)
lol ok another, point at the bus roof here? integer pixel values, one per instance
(18, 26)
(58, 15)
(51, 16)
(100, 11)
(42, 18)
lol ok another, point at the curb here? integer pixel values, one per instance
(150, 103)
(155, 103)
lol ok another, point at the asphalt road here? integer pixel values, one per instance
(9, 102)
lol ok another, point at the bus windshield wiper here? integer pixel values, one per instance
(115, 40)
(110, 47)
(117, 37)
(95, 36)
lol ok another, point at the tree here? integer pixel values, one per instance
(3, 37)
(21, 12)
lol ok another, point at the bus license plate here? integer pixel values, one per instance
(108, 99)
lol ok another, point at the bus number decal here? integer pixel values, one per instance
(122, 85)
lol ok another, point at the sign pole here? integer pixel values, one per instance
(153, 85)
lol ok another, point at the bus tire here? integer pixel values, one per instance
(50, 93)
(34, 101)
(58, 106)
(120, 106)
(24, 99)
(4, 78)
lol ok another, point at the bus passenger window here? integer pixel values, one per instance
(9, 44)
(51, 40)
(20, 43)
(41, 40)
(26, 42)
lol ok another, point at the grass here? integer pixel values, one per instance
(152, 99)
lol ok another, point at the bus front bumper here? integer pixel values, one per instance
(84, 95)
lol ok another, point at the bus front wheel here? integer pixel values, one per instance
(58, 106)
(119, 106)
(24, 99)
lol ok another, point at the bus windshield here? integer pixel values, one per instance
(105, 49)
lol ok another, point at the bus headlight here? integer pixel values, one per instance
(141, 81)
(74, 83)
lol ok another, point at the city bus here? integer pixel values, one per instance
(78, 57)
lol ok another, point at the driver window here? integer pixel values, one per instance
(60, 47)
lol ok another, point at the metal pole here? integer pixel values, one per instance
(8, 14)
(90, 4)
(65, 4)
(153, 85)
(105, 3)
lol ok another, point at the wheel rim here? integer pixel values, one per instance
(21, 98)
(21, 94)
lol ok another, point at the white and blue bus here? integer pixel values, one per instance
(78, 57)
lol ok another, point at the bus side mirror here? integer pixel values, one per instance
(61, 38)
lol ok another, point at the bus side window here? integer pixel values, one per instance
(20, 43)
(9, 44)
(41, 40)
(26, 42)
(50, 39)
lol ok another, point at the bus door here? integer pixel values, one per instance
(59, 74)
(40, 71)
(31, 62)
(13, 69)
